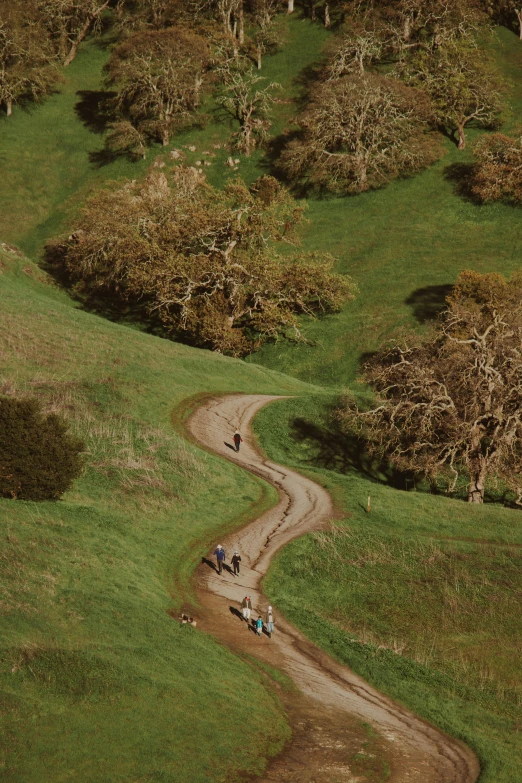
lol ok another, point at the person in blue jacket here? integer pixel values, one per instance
(220, 557)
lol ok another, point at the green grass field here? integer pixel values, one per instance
(421, 596)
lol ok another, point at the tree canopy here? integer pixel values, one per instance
(359, 132)
(204, 261)
(159, 75)
(497, 171)
(451, 406)
(39, 458)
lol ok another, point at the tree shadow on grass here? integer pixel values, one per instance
(461, 175)
(331, 448)
(103, 157)
(429, 302)
(94, 110)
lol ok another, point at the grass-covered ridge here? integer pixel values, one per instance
(97, 681)
(420, 596)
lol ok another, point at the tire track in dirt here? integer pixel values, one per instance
(417, 752)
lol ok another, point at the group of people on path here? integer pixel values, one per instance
(246, 603)
(221, 556)
(246, 609)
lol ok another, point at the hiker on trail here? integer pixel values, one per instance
(237, 439)
(236, 559)
(259, 626)
(246, 608)
(269, 621)
(220, 557)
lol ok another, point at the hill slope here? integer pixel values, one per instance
(98, 682)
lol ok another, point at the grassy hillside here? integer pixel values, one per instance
(421, 596)
(97, 681)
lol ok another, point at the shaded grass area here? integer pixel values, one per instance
(98, 680)
(421, 596)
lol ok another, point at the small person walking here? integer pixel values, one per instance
(220, 557)
(236, 559)
(246, 608)
(238, 440)
(269, 622)
(259, 626)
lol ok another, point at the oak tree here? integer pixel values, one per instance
(27, 67)
(358, 48)
(70, 21)
(497, 171)
(359, 132)
(266, 35)
(450, 406)
(159, 76)
(248, 99)
(462, 83)
(203, 261)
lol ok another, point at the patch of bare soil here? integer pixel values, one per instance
(332, 704)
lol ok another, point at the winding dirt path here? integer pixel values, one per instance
(332, 694)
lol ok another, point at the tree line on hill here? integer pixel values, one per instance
(397, 73)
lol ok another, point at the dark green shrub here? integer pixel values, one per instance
(39, 459)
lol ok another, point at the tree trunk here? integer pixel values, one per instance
(462, 139)
(73, 50)
(362, 172)
(326, 15)
(247, 131)
(241, 26)
(82, 33)
(197, 89)
(290, 6)
(406, 30)
(165, 137)
(259, 56)
(313, 11)
(9, 107)
(519, 17)
(477, 486)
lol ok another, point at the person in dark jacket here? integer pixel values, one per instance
(238, 440)
(220, 557)
(236, 559)
(246, 608)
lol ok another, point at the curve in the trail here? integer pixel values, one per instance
(432, 756)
